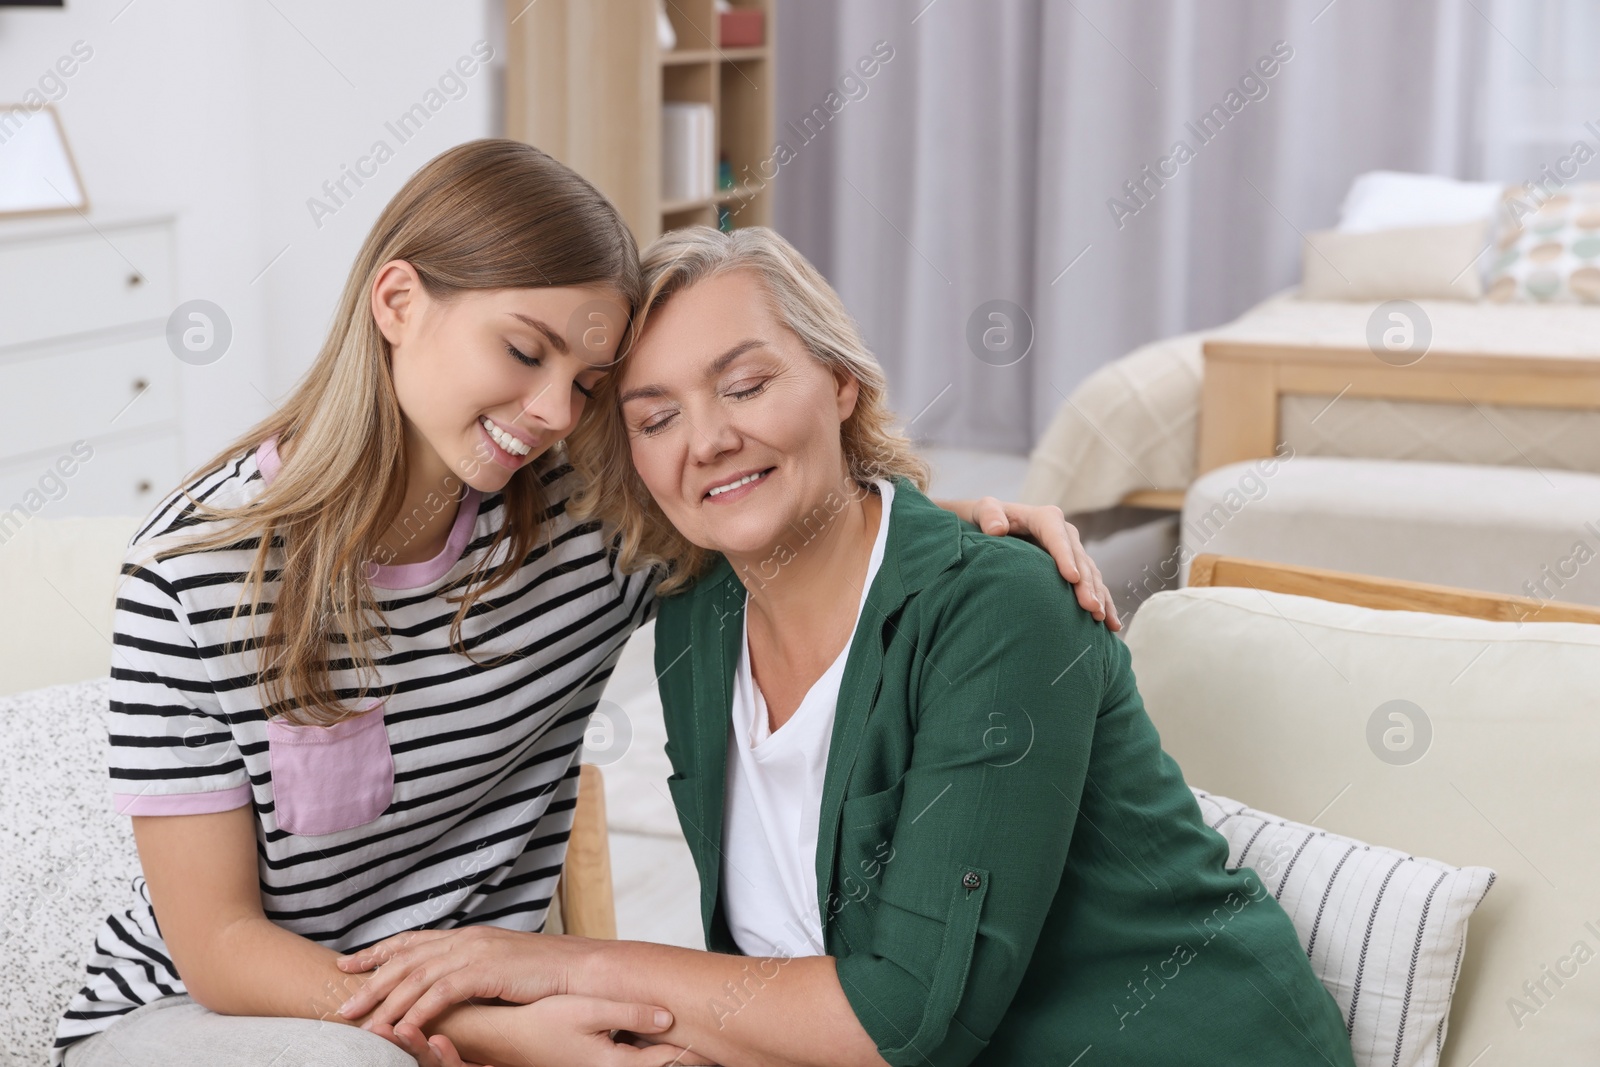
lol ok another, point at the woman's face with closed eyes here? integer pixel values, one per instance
(489, 379)
(733, 425)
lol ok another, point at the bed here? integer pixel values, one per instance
(1131, 433)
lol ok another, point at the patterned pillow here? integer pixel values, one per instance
(1385, 931)
(1549, 248)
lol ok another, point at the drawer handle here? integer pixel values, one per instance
(135, 281)
(140, 385)
(144, 486)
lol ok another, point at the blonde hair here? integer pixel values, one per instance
(489, 214)
(807, 305)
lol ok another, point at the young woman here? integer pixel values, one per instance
(354, 658)
(932, 821)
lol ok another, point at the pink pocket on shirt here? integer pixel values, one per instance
(330, 778)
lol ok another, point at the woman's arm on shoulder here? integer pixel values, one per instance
(1046, 526)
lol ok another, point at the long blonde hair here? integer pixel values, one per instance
(489, 214)
(806, 304)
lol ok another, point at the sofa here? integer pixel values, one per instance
(56, 581)
(1284, 702)
(1262, 697)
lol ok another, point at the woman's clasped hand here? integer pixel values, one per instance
(524, 978)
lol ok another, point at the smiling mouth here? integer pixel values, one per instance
(746, 480)
(515, 446)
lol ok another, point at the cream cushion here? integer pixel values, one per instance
(1510, 530)
(58, 576)
(1418, 263)
(1270, 698)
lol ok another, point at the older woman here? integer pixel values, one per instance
(932, 821)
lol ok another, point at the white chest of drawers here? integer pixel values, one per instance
(89, 415)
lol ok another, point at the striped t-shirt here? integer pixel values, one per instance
(449, 804)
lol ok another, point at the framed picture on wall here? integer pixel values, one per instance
(38, 175)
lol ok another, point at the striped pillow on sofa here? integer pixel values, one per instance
(1385, 931)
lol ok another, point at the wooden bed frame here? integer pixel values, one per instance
(1387, 594)
(1244, 381)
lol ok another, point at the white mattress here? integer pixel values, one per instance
(1131, 425)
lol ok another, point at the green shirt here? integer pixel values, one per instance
(1010, 870)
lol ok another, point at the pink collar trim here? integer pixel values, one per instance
(400, 575)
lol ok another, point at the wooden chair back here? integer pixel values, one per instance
(584, 905)
(1388, 594)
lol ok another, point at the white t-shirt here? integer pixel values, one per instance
(774, 799)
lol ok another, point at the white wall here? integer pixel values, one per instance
(233, 115)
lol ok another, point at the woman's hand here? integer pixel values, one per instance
(424, 972)
(435, 1051)
(1045, 525)
(420, 973)
(558, 1031)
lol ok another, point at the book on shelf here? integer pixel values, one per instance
(740, 27)
(688, 148)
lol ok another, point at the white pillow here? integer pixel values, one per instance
(1385, 931)
(1386, 200)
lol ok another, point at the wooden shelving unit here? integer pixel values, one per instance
(586, 79)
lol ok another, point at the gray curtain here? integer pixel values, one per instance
(980, 164)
